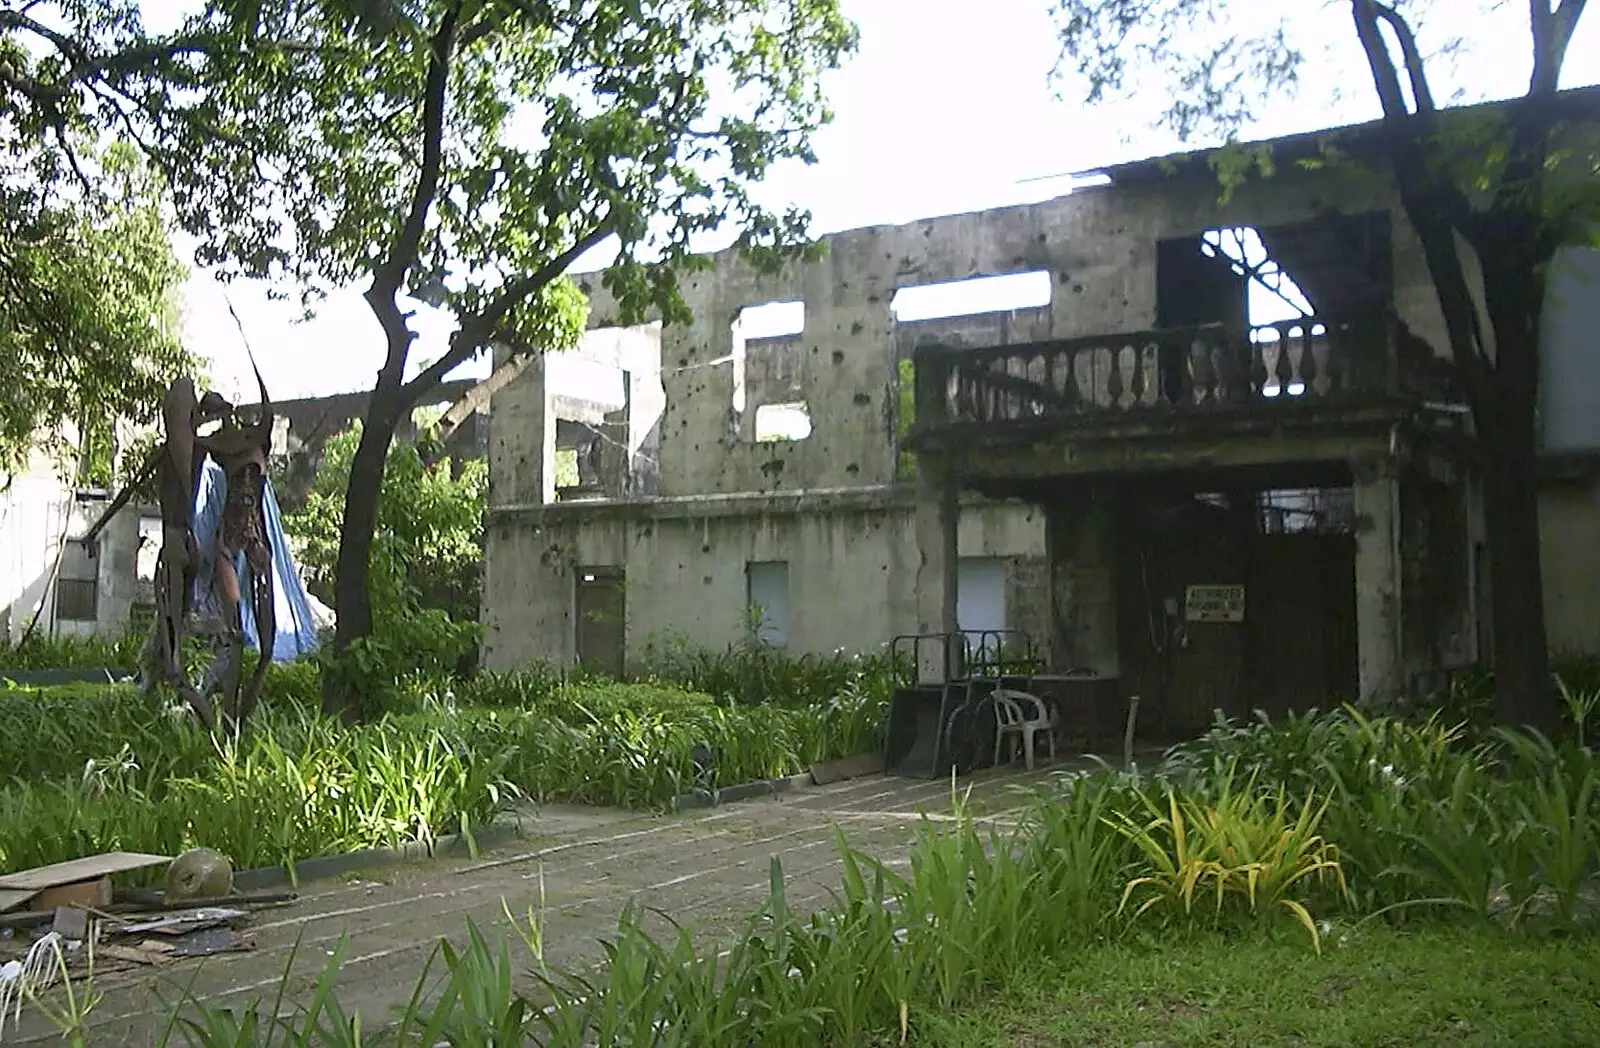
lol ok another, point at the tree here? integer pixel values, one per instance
(90, 103)
(426, 569)
(88, 310)
(468, 151)
(1491, 197)
(428, 546)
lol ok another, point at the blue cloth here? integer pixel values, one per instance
(296, 632)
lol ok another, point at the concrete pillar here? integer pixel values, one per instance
(522, 439)
(1080, 544)
(1378, 565)
(1063, 527)
(938, 517)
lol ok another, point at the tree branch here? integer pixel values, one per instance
(476, 397)
(391, 273)
(477, 330)
(1552, 32)
(1434, 205)
(1420, 92)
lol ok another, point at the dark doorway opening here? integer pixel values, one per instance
(601, 606)
(1238, 600)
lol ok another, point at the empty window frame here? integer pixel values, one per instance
(767, 589)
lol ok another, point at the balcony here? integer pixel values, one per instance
(1314, 369)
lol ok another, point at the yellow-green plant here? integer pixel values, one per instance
(1260, 849)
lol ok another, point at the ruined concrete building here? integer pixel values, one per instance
(1216, 454)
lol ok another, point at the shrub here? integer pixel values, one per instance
(753, 673)
(88, 767)
(1240, 848)
(1424, 816)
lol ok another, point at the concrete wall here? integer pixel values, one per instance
(720, 498)
(1570, 351)
(1569, 519)
(1099, 246)
(38, 513)
(852, 571)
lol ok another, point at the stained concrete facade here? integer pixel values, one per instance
(49, 585)
(868, 542)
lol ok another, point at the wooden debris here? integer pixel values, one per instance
(79, 882)
(85, 869)
(133, 955)
(153, 901)
(213, 940)
(182, 922)
(11, 898)
(73, 900)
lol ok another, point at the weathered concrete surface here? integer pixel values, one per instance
(838, 505)
(854, 561)
(1569, 520)
(708, 870)
(853, 568)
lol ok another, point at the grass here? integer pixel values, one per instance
(1446, 877)
(1452, 986)
(86, 768)
(1014, 934)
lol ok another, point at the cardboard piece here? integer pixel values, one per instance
(133, 955)
(71, 923)
(95, 893)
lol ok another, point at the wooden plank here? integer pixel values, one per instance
(84, 869)
(10, 900)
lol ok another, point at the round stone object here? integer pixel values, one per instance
(198, 873)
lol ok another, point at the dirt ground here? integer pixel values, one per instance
(708, 869)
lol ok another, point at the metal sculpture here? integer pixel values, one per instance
(241, 451)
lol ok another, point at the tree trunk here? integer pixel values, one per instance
(1508, 437)
(352, 598)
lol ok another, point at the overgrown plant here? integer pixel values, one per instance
(1241, 847)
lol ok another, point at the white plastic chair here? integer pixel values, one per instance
(1012, 721)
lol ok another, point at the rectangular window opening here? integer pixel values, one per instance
(972, 296)
(77, 584)
(566, 468)
(767, 589)
(905, 416)
(149, 551)
(775, 422)
(981, 602)
(765, 320)
(77, 600)
(771, 320)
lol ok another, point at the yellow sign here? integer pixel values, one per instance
(1214, 604)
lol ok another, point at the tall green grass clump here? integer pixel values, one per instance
(1430, 816)
(754, 673)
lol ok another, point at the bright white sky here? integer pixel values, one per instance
(945, 108)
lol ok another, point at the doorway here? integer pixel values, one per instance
(1241, 601)
(600, 606)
